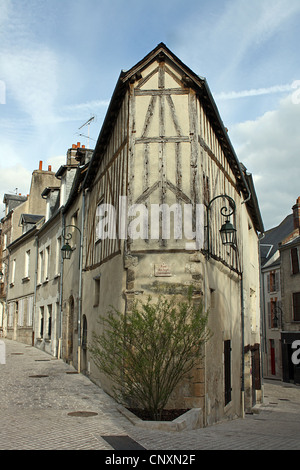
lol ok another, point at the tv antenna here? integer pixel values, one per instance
(87, 123)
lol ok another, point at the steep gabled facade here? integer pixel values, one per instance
(163, 143)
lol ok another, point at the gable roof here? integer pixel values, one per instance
(190, 79)
(272, 238)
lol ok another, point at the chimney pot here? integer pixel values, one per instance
(78, 144)
(73, 146)
(49, 167)
(41, 165)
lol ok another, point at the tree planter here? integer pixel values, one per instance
(192, 419)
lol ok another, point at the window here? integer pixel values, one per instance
(41, 322)
(13, 272)
(274, 314)
(96, 291)
(84, 332)
(49, 321)
(27, 260)
(41, 267)
(227, 371)
(273, 281)
(58, 255)
(47, 261)
(295, 260)
(296, 306)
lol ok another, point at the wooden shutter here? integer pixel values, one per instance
(296, 306)
(295, 260)
(277, 281)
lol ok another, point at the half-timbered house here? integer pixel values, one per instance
(162, 160)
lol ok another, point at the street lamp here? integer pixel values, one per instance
(66, 249)
(227, 231)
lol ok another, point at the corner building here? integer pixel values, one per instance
(163, 142)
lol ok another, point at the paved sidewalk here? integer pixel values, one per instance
(34, 413)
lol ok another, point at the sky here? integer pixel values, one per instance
(60, 61)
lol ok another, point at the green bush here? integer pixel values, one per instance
(148, 351)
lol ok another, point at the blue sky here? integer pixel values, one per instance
(60, 60)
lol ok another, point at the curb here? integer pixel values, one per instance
(192, 419)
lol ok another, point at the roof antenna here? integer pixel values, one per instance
(87, 123)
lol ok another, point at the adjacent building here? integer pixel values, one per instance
(290, 287)
(280, 287)
(271, 297)
(25, 218)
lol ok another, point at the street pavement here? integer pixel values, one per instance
(45, 405)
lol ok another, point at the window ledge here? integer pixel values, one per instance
(26, 279)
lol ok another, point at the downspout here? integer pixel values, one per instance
(243, 347)
(61, 295)
(80, 279)
(35, 284)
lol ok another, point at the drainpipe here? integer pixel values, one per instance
(80, 280)
(35, 284)
(243, 346)
(61, 294)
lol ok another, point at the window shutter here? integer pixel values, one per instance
(277, 281)
(296, 306)
(295, 260)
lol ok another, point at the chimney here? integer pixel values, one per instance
(41, 165)
(296, 214)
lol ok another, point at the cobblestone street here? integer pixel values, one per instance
(38, 393)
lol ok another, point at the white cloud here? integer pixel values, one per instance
(269, 148)
(30, 77)
(254, 92)
(56, 162)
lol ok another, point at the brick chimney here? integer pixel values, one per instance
(296, 214)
